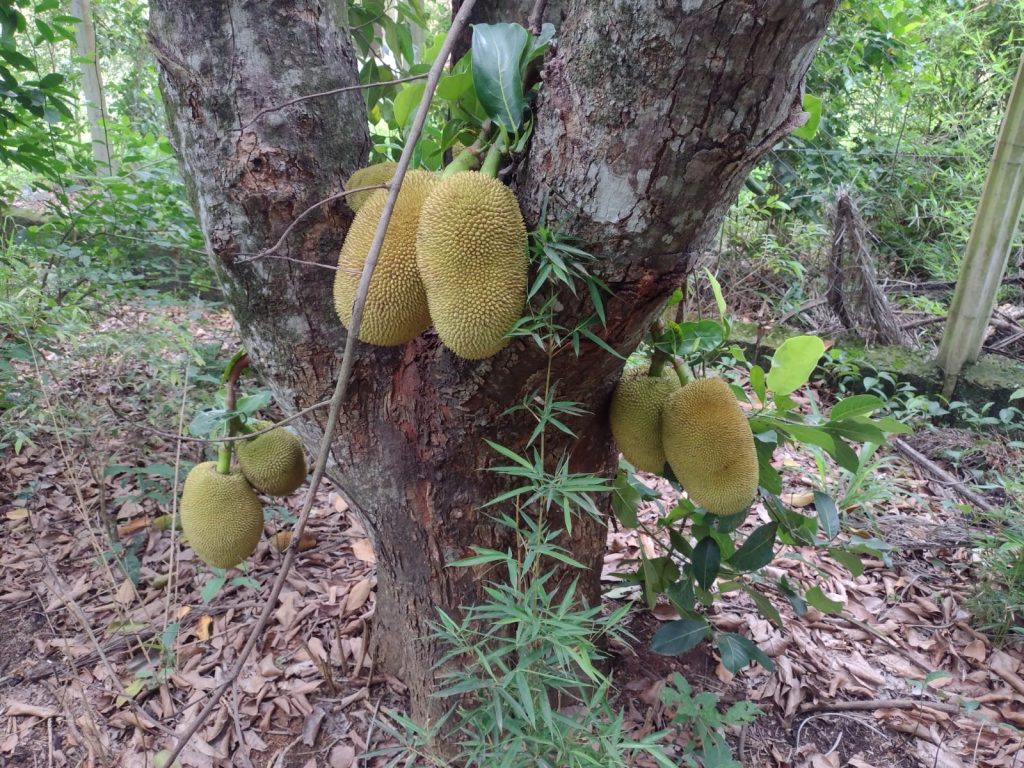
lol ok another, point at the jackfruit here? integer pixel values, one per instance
(273, 463)
(635, 416)
(472, 254)
(221, 515)
(710, 447)
(379, 173)
(396, 306)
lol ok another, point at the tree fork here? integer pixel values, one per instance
(642, 140)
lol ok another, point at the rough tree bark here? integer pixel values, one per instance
(651, 116)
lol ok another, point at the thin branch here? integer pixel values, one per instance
(870, 705)
(537, 16)
(331, 92)
(940, 474)
(247, 257)
(348, 360)
(215, 441)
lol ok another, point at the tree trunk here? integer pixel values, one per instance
(92, 86)
(651, 116)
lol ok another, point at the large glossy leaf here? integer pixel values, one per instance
(707, 559)
(793, 363)
(828, 515)
(757, 551)
(497, 51)
(679, 636)
(738, 651)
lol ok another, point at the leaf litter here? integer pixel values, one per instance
(99, 666)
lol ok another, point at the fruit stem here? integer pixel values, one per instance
(493, 159)
(682, 371)
(238, 363)
(465, 161)
(658, 361)
(224, 459)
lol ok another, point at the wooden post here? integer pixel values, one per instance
(92, 86)
(988, 249)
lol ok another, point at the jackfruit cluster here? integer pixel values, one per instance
(636, 415)
(471, 250)
(274, 462)
(379, 173)
(455, 255)
(396, 305)
(710, 446)
(221, 515)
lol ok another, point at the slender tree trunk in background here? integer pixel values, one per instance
(651, 116)
(988, 249)
(92, 85)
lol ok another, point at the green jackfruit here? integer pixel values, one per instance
(378, 173)
(635, 416)
(396, 306)
(710, 447)
(221, 515)
(273, 463)
(472, 254)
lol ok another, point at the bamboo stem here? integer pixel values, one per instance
(988, 249)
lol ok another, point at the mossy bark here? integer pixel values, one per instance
(652, 115)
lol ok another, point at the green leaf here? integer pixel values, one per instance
(211, 588)
(818, 599)
(697, 337)
(794, 528)
(679, 636)
(810, 435)
(738, 651)
(857, 431)
(757, 551)
(858, 405)
(680, 594)
(625, 501)
(208, 422)
(716, 289)
(252, 403)
(757, 382)
(793, 363)
(848, 560)
(497, 51)
(1017, 394)
(811, 105)
(658, 573)
(406, 102)
(452, 87)
(764, 606)
(828, 515)
(707, 559)
(798, 603)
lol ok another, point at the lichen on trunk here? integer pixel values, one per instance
(650, 117)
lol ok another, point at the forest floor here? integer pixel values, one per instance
(102, 667)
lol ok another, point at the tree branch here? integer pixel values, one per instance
(458, 24)
(248, 257)
(331, 92)
(537, 17)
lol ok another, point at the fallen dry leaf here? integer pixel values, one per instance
(362, 549)
(358, 595)
(203, 627)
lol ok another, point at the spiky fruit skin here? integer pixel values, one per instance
(221, 515)
(710, 447)
(379, 173)
(396, 306)
(635, 416)
(273, 463)
(472, 254)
